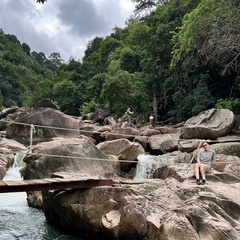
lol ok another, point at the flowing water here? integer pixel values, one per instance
(147, 164)
(20, 222)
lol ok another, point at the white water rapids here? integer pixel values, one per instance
(147, 164)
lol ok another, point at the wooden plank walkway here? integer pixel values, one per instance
(52, 183)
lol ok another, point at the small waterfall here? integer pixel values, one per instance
(147, 164)
(13, 172)
(18, 160)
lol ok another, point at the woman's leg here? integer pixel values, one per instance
(203, 170)
(196, 170)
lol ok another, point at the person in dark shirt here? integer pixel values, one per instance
(129, 113)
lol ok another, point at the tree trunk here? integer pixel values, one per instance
(155, 107)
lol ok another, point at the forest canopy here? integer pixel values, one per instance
(177, 59)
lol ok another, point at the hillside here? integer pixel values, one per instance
(179, 59)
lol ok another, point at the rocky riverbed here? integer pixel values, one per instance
(168, 206)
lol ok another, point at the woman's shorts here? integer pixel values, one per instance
(207, 168)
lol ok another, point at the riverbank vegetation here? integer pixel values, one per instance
(172, 58)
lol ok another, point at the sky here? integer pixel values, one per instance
(63, 26)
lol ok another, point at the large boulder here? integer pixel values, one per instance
(126, 151)
(45, 103)
(229, 148)
(150, 132)
(78, 155)
(163, 143)
(74, 155)
(167, 129)
(115, 147)
(15, 146)
(121, 132)
(142, 140)
(209, 124)
(227, 163)
(100, 115)
(171, 208)
(189, 145)
(47, 123)
(94, 132)
(4, 116)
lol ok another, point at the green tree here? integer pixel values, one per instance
(155, 38)
(117, 101)
(64, 93)
(130, 60)
(230, 103)
(26, 49)
(206, 44)
(108, 46)
(146, 5)
(11, 87)
(92, 46)
(43, 89)
(21, 72)
(178, 59)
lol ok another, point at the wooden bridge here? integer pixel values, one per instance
(52, 183)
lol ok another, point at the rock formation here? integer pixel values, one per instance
(168, 206)
(209, 124)
(47, 122)
(73, 155)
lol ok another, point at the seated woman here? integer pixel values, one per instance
(204, 161)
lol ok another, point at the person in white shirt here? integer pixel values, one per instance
(151, 120)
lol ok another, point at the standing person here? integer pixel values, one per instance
(129, 113)
(204, 161)
(151, 120)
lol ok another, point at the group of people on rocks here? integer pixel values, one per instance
(129, 112)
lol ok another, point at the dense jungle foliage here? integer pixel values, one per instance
(173, 58)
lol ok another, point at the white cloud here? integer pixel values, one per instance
(62, 26)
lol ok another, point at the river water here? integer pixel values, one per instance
(20, 222)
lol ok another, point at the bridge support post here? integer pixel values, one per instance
(32, 130)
